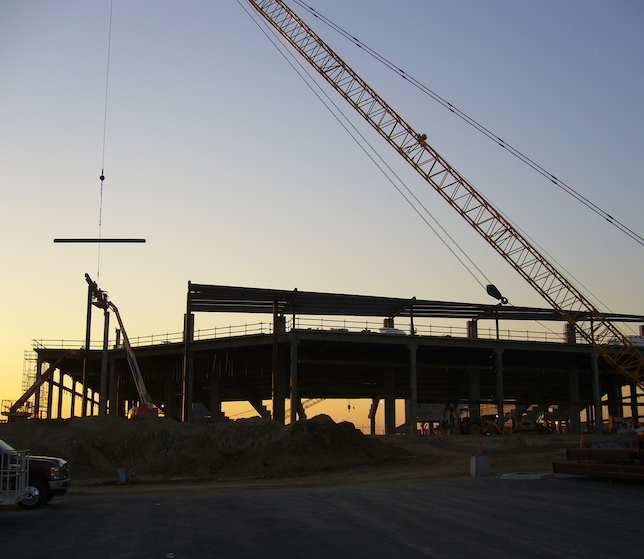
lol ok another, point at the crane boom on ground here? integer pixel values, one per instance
(545, 278)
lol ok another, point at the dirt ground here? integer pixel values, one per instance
(316, 451)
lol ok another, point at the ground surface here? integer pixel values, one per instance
(469, 517)
(255, 450)
(317, 489)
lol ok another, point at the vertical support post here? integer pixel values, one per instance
(295, 394)
(372, 414)
(634, 405)
(413, 384)
(113, 410)
(88, 336)
(278, 388)
(61, 392)
(574, 408)
(37, 393)
(72, 405)
(215, 393)
(390, 401)
(50, 395)
(615, 401)
(188, 364)
(498, 358)
(168, 394)
(597, 395)
(474, 377)
(102, 406)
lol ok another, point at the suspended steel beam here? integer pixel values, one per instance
(99, 240)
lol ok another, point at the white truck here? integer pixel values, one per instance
(14, 473)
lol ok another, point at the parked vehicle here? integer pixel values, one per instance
(47, 477)
(478, 426)
(14, 469)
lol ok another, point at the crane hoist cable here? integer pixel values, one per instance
(102, 176)
(477, 126)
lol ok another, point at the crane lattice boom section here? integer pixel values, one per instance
(608, 340)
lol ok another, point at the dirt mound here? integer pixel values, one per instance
(146, 447)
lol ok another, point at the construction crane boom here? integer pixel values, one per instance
(565, 298)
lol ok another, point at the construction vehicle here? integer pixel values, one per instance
(534, 420)
(479, 426)
(594, 327)
(19, 409)
(147, 406)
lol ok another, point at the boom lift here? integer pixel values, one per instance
(147, 406)
(607, 340)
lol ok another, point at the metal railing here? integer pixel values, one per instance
(315, 324)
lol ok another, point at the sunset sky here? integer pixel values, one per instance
(220, 155)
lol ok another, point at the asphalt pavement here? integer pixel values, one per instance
(466, 518)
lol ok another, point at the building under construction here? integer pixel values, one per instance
(315, 346)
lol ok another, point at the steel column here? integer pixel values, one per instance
(597, 394)
(102, 406)
(498, 359)
(295, 395)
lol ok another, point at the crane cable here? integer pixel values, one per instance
(102, 177)
(476, 125)
(411, 198)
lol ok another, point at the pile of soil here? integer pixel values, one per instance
(164, 449)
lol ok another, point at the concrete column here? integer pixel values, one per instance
(597, 395)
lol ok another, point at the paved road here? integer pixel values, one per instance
(471, 518)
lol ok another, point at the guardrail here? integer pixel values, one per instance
(323, 323)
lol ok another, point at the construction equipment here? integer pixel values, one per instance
(611, 344)
(147, 406)
(17, 410)
(480, 426)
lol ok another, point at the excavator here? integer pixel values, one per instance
(592, 325)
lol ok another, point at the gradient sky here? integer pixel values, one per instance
(220, 156)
